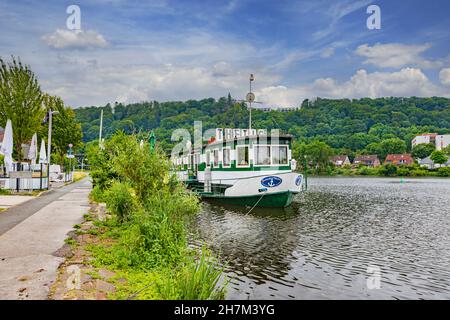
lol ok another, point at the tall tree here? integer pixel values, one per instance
(20, 101)
(439, 157)
(423, 150)
(65, 129)
(391, 146)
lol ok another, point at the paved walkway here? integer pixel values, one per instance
(30, 234)
(12, 200)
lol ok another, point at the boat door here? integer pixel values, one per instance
(196, 162)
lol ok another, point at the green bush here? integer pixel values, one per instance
(120, 201)
(443, 172)
(388, 170)
(403, 171)
(366, 171)
(420, 173)
(97, 194)
(152, 209)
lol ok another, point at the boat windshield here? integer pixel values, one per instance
(262, 155)
(242, 156)
(280, 155)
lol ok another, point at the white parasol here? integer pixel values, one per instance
(32, 153)
(7, 146)
(42, 153)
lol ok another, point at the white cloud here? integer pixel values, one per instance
(337, 11)
(404, 83)
(444, 76)
(395, 55)
(134, 83)
(328, 52)
(75, 39)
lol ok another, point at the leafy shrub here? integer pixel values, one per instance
(420, 173)
(120, 201)
(97, 194)
(366, 171)
(443, 172)
(388, 170)
(403, 171)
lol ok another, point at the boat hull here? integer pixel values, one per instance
(262, 191)
(279, 200)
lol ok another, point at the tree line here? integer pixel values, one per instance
(24, 102)
(328, 126)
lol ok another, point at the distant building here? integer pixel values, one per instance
(268, 107)
(340, 161)
(440, 141)
(367, 160)
(429, 164)
(399, 159)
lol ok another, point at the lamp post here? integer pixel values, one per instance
(305, 169)
(49, 142)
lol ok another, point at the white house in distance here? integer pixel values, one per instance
(440, 141)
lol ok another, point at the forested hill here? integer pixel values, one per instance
(351, 126)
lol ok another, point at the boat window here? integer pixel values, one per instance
(262, 155)
(208, 159)
(280, 155)
(242, 156)
(216, 158)
(226, 157)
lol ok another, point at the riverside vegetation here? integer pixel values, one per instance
(321, 128)
(147, 231)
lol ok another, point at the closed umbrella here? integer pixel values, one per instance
(32, 153)
(7, 146)
(42, 153)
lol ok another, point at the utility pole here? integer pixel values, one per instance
(101, 128)
(49, 142)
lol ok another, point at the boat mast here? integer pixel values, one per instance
(250, 99)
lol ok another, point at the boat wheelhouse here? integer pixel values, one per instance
(242, 166)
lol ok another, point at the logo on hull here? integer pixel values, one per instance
(298, 181)
(271, 181)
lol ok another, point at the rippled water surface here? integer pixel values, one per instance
(322, 246)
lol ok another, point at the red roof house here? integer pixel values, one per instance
(399, 159)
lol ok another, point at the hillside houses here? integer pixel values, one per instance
(340, 161)
(441, 141)
(367, 160)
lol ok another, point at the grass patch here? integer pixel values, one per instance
(78, 175)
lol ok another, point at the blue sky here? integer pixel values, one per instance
(130, 51)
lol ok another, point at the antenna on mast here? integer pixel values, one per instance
(250, 98)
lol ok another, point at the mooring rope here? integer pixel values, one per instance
(254, 206)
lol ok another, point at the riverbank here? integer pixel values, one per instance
(141, 238)
(386, 170)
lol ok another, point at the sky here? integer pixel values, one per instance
(165, 50)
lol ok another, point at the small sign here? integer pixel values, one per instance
(250, 97)
(21, 174)
(298, 181)
(271, 181)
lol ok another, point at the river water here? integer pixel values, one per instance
(345, 238)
